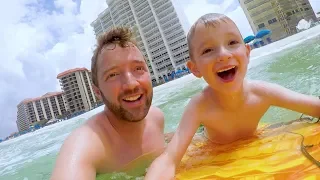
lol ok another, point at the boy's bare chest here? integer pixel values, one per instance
(229, 125)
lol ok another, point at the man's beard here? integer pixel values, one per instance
(126, 115)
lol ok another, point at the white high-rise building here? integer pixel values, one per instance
(47, 107)
(77, 89)
(160, 34)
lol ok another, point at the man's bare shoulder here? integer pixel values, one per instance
(156, 115)
(82, 153)
(86, 142)
(155, 112)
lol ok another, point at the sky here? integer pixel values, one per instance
(41, 38)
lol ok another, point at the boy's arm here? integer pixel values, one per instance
(285, 98)
(164, 166)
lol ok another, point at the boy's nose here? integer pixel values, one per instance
(224, 54)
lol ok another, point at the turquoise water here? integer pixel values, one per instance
(293, 62)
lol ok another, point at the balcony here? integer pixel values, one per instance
(162, 13)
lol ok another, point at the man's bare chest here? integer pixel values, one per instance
(126, 156)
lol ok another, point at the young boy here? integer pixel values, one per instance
(230, 107)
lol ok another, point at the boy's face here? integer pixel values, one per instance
(220, 56)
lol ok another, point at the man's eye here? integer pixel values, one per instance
(139, 68)
(233, 42)
(112, 75)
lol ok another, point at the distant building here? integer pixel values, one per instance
(77, 88)
(46, 107)
(160, 34)
(279, 16)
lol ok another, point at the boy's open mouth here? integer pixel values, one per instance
(228, 74)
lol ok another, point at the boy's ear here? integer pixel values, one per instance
(248, 48)
(193, 68)
(97, 91)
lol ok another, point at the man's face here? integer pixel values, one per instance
(124, 82)
(220, 56)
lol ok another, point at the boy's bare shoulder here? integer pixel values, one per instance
(260, 87)
(266, 91)
(200, 100)
(264, 87)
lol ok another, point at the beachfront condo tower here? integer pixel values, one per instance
(279, 16)
(47, 107)
(77, 89)
(160, 33)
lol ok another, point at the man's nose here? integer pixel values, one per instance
(129, 81)
(224, 54)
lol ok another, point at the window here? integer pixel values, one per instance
(272, 21)
(261, 25)
(289, 13)
(306, 9)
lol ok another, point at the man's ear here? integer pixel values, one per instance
(193, 68)
(97, 91)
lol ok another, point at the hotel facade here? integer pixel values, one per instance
(77, 89)
(279, 16)
(159, 32)
(47, 107)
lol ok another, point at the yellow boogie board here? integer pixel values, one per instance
(278, 151)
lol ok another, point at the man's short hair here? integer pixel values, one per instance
(118, 36)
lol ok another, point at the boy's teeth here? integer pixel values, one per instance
(132, 98)
(226, 69)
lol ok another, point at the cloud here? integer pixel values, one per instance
(231, 8)
(39, 39)
(315, 5)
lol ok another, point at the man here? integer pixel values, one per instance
(128, 133)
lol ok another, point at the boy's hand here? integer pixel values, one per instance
(162, 168)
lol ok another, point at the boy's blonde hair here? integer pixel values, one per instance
(209, 20)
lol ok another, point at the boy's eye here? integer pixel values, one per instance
(206, 51)
(233, 42)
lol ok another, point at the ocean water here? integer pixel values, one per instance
(293, 62)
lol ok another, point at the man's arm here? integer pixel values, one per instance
(164, 166)
(78, 157)
(286, 98)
